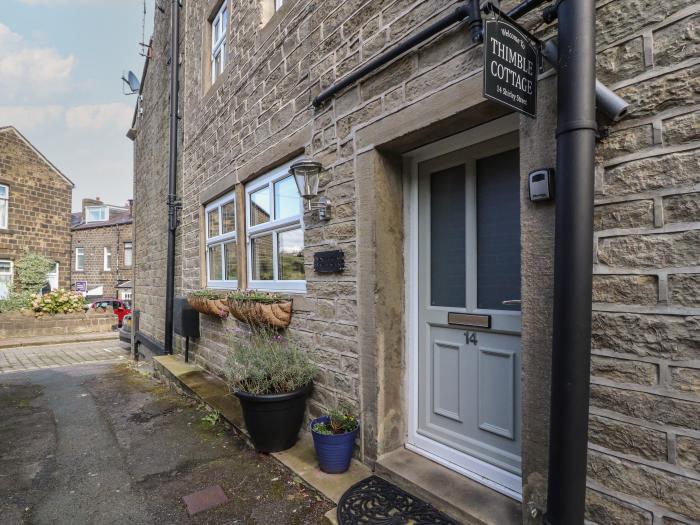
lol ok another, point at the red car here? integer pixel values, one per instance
(119, 307)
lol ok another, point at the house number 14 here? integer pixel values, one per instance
(471, 337)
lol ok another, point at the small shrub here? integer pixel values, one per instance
(16, 301)
(263, 362)
(58, 302)
(342, 420)
(206, 294)
(31, 272)
(256, 297)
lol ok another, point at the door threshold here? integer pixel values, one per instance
(461, 498)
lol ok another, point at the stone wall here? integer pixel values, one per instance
(40, 205)
(13, 325)
(258, 114)
(94, 241)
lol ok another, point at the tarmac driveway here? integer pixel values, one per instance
(103, 444)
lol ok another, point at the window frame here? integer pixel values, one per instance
(130, 262)
(5, 216)
(221, 239)
(105, 209)
(218, 46)
(107, 259)
(274, 227)
(80, 268)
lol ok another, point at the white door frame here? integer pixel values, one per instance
(491, 476)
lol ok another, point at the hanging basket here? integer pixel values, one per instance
(206, 306)
(275, 315)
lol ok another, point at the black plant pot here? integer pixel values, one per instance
(274, 420)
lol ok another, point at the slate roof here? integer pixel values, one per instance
(115, 217)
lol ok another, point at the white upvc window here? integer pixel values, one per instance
(278, 4)
(219, 28)
(107, 259)
(275, 233)
(222, 243)
(5, 278)
(4, 205)
(80, 259)
(128, 254)
(96, 213)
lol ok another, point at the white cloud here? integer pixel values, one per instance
(99, 116)
(27, 70)
(29, 118)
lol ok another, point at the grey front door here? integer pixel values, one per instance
(469, 352)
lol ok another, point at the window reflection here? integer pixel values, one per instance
(230, 261)
(290, 252)
(260, 206)
(215, 269)
(287, 200)
(261, 255)
(228, 217)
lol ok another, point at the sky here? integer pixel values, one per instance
(61, 63)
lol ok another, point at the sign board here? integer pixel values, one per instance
(510, 67)
(81, 286)
(329, 262)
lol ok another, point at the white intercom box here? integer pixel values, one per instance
(541, 185)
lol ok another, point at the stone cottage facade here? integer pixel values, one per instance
(405, 151)
(35, 203)
(102, 247)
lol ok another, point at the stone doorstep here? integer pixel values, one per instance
(459, 497)
(300, 459)
(45, 340)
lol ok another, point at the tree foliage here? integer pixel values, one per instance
(31, 271)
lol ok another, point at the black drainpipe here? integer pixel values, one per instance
(573, 262)
(172, 173)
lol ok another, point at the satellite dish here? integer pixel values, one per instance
(132, 82)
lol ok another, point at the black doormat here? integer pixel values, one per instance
(377, 502)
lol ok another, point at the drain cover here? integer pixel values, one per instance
(204, 499)
(378, 502)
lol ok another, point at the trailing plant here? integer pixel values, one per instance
(16, 301)
(58, 302)
(206, 294)
(263, 362)
(342, 419)
(255, 296)
(31, 272)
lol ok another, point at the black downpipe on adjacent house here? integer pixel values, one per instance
(172, 201)
(573, 262)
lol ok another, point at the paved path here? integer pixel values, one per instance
(39, 357)
(103, 444)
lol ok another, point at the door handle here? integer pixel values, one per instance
(509, 302)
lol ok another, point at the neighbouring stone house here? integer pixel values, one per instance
(102, 249)
(408, 151)
(35, 203)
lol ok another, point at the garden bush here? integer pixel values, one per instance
(16, 301)
(58, 302)
(31, 272)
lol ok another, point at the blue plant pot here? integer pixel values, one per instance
(334, 451)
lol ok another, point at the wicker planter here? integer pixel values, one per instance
(214, 307)
(276, 315)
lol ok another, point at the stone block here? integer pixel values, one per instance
(648, 407)
(685, 379)
(444, 73)
(670, 491)
(651, 251)
(653, 173)
(666, 336)
(624, 370)
(628, 439)
(621, 62)
(630, 214)
(602, 509)
(688, 452)
(677, 89)
(625, 289)
(682, 208)
(682, 129)
(626, 141)
(677, 42)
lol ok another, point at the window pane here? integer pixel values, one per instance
(498, 231)
(290, 257)
(215, 269)
(224, 24)
(287, 199)
(448, 252)
(5, 266)
(230, 261)
(3, 192)
(228, 217)
(3, 213)
(128, 254)
(213, 220)
(261, 256)
(260, 206)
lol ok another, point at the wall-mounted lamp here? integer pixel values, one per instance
(306, 173)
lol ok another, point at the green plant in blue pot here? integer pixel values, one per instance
(334, 437)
